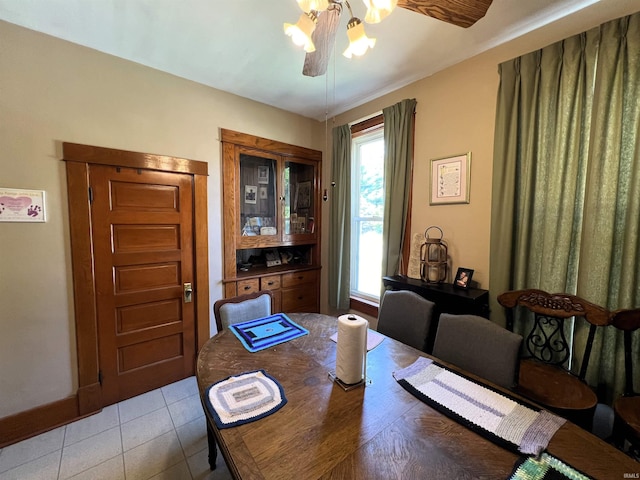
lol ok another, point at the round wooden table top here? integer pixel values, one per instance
(380, 431)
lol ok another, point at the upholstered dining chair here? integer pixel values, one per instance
(546, 376)
(228, 311)
(626, 424)
(405, 316)
(242, 308)
(479, 346)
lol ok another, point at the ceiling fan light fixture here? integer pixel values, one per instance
(359, 43)
(300, 32)
(378, 10)
(317, 5)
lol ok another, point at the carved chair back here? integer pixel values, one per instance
(547, 341)
(628, 321)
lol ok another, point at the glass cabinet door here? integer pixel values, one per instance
(299, 202)
(258, 195)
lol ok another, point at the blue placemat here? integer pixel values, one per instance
(244, 398)
(266, 332)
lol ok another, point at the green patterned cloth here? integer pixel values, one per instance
(546, 468)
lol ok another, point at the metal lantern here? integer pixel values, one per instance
(433, 258)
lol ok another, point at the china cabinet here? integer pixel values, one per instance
(271, 216)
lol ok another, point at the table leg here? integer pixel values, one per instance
(213, 451)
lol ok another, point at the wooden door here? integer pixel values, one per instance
(142, 225)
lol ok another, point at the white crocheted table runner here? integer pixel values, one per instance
(503, 419)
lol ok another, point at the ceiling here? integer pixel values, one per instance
(239, 46)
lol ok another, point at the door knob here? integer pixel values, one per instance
(188, 291)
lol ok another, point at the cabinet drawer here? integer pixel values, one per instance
(297, 278)
(248, 286)
(299, 299)
(272, 282)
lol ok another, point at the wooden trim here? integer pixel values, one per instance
(284, 149)
(367, 125)
(201, 257)
(75, 152)
(84, 297)
(20, 426)
(363, 306)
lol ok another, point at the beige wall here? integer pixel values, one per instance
(53, 91)
(455, 114)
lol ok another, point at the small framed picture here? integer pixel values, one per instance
(303, 195)
(21, 205)
(463, 278)
(263, 193)
(263, 174)
(250, 193)
(450, 179)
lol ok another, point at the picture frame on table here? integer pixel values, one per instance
(450, 178)
(463, 278)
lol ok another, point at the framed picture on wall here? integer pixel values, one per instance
(21, 205)
(450, 178)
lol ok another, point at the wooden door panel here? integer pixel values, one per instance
(142, 223)
(133, 318)
(144, 277)
(149, 352)
(145, 238)
(128, 195)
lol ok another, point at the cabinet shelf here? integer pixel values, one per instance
(271, 203)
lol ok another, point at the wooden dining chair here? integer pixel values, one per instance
(545, 374)
(228, 311)
(242, 308)
(626, 424)
(479, 346)
(406, 317)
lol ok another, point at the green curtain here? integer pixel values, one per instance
(566, 193)
(398, 157)
(609, 272)
(340, 219)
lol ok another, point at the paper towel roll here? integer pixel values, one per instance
(352, 348)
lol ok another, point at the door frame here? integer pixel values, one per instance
(78, 158)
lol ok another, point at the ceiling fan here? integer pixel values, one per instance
(316, 29)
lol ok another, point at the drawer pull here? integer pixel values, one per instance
(247, 287)
(269, 283)
(300, 297)
(300, 277)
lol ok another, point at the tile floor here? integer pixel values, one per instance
(158, 435)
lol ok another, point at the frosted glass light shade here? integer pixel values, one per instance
(317, 5)
(359, 43)
(300, 33)
(377, 10)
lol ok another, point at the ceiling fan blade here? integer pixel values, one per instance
(324, 38)
(462, 13)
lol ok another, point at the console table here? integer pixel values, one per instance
(448, 299)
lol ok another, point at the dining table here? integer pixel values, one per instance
(378, 430)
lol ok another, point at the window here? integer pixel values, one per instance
(367, 203)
